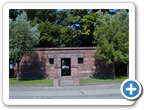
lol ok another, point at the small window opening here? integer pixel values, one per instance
(51, 61)
(80, 60)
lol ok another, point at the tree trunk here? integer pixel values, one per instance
(18, 71)
(114, 77)
(128, 70)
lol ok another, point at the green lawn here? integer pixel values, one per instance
(99, 80)
(30, 81)
(50, 81)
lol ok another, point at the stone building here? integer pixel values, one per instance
(65, 62)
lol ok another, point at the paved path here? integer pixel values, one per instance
(99, 91)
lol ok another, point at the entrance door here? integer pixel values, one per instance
(65, 67)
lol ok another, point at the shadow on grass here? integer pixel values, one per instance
(105, 78)
(30, 81)
(14, 79)
(100, 80)
(111, 78)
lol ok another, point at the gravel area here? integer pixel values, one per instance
(96, 96)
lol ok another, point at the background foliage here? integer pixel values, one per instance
(107, 30)
(65, 28)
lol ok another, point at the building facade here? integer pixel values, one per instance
(66, 62)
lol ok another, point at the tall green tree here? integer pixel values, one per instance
(82, 20)
(41, 14)
(13, 13)
(49, 34)
(55, 35)
(87, 30)
(61, 16)
(76, 23)
(22, 38)
(75, 19)
(112, 36)
(54, 32)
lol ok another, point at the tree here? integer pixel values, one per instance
(13, 13)
(82, 20)
(76, 23)
(41, 14)
(49, 34)
(87, 29)
(112, 36)
(22, 38)
(61, 16)
(54, 32)
(55, 35)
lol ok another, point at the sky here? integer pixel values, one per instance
(111, 10)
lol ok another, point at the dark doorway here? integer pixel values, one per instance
(65, 66)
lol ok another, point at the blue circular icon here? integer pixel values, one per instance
(130, 89)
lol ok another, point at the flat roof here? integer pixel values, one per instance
(63, 48)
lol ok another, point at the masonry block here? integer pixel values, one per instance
(57, 72)
(74, 72)
(39, 66)
(76, 82)
(57, 62)
(74, 62)
(56, 82)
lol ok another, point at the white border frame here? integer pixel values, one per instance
(8, 6)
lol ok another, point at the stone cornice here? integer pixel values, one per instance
(63, 48)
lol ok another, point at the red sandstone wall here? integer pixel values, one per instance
(38, 66)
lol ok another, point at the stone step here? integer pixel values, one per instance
(66, 78)
(66, 82)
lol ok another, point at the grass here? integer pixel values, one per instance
(99, 80)
(50, 81)
(30, 81)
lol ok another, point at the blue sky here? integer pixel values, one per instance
(111, 10)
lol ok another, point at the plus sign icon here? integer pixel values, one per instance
(131, 89)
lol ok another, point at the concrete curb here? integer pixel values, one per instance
(30, 85)
(103, 83)
(51, 85)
